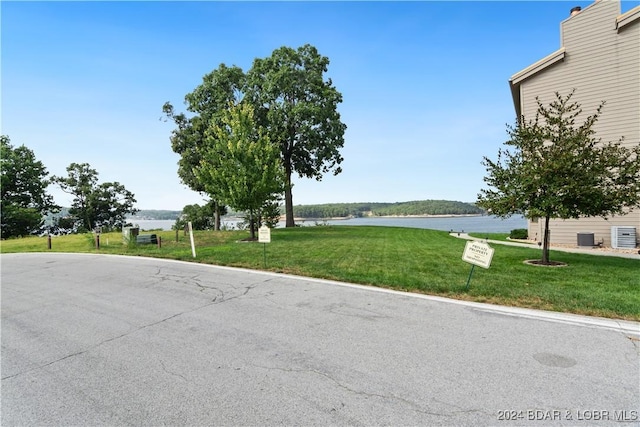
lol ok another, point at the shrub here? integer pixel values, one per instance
(519, 233)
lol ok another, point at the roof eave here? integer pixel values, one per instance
(628, 18)
(519, 77)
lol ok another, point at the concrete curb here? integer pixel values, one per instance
(623, 326)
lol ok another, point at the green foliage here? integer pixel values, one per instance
(103, 205)
(63, 225)
(554, 168)
(23, 199)
(298, 108)
(293, 104)
(430, 207)
(110, 202)
(333, 210)
(20, 221)
(201, 217)
(491, 236)
(269, 213)
(207, 102)
(420, 207)
(239, 163)
(519, 233)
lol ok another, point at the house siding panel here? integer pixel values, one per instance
(602, 63)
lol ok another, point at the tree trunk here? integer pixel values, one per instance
(216, 216)
(252, 225)
(85, 213)
(288, 198)
(87, 223)
(545, 239)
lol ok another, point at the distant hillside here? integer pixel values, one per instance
(429, 207)
(415, 208)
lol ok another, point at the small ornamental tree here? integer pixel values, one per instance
(555, 168)
(239, 161)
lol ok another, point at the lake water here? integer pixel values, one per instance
(153, 224)
(481, 224)
(478, 224)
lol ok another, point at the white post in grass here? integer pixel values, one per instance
(193, 245)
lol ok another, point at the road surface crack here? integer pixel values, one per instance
(247, 289)
(175, 374)
(414, 406)
(94, 346)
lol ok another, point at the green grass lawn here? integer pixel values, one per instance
(414, 260)
(491, 236)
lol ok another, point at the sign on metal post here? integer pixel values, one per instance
(477, 253)
(264, 236)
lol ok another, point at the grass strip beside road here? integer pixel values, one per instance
(408, 259)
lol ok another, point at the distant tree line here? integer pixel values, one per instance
(335, 210)
(419, 207)
(430, 207)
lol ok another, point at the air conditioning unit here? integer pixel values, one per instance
(623, 237)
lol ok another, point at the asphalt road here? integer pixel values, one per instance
(105, 340)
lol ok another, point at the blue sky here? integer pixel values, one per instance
(424, 84)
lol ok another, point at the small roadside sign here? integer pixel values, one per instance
(478, 253)
(264, 234)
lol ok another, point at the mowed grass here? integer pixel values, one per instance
(491, 236)
(413, 260)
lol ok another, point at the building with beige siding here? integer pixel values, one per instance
(599, 57)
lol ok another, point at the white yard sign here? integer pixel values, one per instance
(478, 253)
(264, 234)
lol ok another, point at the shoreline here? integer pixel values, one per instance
(341, 218)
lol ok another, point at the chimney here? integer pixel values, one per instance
(576, 10)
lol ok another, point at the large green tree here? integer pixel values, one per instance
(207, 104)
(239, 163)
(292, 102)
(23, 199)
(555, 168)
(298, 108)
(95, 205)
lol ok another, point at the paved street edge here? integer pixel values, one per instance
(623, 326)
